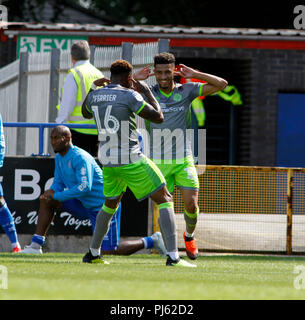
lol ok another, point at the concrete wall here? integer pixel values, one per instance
(56, 243)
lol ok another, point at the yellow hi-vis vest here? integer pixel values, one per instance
(199, 111)
(230, 93)
(84, 76)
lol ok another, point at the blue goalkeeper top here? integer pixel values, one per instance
(2, 143)
(78, 176)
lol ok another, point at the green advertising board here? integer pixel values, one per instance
(45, 43)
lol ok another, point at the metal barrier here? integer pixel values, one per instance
(30, 87)
(41, 126)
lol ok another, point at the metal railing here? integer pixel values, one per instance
(42, 126)
(30, 87)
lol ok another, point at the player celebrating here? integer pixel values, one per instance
(176, 100)
(114, 107)
(6, 218)
(78, 189)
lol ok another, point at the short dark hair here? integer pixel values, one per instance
(120, 67)
(164, 58)
(80, 50)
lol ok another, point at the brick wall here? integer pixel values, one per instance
(263, 74)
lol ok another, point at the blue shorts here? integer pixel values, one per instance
(111, 240)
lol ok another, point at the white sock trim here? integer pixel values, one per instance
(145, 243)
(15, 244)
(174, 255)
(95, 252)
(189, 235)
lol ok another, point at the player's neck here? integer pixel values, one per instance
(119, 81)
(169, 89)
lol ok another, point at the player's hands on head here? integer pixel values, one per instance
(143, 74)
(101, 82)
(184, 71)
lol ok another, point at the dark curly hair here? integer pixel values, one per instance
(121, 67)
(164, 58)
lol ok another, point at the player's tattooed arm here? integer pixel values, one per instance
(97, 83)
(143, 74)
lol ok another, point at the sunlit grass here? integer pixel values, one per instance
(145, 277)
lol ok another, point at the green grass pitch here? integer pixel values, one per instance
(145, 277)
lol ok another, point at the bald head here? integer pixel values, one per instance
(61, 139)
(62, 131)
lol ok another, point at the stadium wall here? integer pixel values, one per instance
(242, 209)
(260, 66)
(25, 178)
(265, 73)
(262, 69)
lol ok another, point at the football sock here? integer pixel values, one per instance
(148, 242)
(103, 220)
(190, 221)
(189, 236)
(38, 241)
(174, 255)
(7, 223)
(14, 244)
(95, 252)
(167, 225)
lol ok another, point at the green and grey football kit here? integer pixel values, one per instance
(114, 108)
(170, 141)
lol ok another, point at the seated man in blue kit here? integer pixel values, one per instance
(78, 189)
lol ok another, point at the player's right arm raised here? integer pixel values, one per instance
(152, 110)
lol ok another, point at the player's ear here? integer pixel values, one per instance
(129, 79)
(68, 138)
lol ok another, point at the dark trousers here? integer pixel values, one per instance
(88, 142)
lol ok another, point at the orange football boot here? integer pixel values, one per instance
(191, 248)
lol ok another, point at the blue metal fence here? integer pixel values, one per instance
(41, 126)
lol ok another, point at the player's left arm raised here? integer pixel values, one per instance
(214, 83)
(97, 83)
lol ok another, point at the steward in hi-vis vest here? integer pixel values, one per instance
(229, 93)
(77, 84)
(84, 75)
